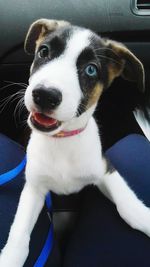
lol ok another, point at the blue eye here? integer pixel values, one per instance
(91, 70)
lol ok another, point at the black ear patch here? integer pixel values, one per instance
(38, 30)
(31, 40)
(58, 40)
(56, 43)
(127, 64)
(56, 46)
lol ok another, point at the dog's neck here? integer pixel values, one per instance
(63, 134)
(79, 122)
(74, 126)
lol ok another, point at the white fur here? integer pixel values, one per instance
(66, 165)
(144, 124)
(130, 208)
(61, 73)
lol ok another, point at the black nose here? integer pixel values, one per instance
(47, 98)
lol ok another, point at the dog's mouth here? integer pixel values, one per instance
(43, 122)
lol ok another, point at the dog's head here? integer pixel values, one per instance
(71, 68)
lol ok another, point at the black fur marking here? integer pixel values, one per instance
(95, 53)
(56, 41)
(57, 46)
(102, 56)
(86, 57)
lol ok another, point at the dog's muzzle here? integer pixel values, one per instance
(46, 101)
(43, 122)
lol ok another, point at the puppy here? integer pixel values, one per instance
(71, 68)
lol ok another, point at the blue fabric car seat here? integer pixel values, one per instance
(101, 237)
(43, 251)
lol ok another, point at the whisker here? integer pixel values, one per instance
(18, 110)
(4, 102)
(109, 58)
(12, 84)
(21, 92)
(17, 83)
(106, 48)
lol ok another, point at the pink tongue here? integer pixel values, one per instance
(43, 119)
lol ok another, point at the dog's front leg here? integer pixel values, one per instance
(129, 206)
(16, 249)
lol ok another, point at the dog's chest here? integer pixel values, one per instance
(66, 165)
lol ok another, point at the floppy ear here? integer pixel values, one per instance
(38, 30)
(123, 62)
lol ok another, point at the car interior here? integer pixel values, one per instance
(126, 21)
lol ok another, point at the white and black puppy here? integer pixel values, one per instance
(71, 68)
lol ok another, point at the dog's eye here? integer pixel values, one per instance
(91, 70)
(43, 51)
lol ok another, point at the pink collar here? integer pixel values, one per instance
(68, 133)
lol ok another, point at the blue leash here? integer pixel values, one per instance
(8, 176)
(12, 174)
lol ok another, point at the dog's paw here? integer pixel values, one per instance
(13, 256)
(137, 218)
